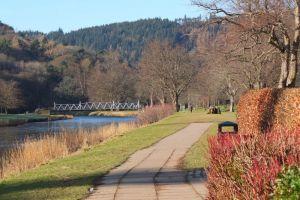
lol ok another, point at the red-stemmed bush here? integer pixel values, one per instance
(155, 113)
(246, 166)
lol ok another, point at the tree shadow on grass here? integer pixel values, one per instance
(145, 176)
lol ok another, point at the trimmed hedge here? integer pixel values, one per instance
(269, 109)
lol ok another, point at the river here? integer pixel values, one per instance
(10, 135)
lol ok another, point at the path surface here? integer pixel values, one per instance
(153, 173)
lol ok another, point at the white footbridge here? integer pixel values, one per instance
(93, 106)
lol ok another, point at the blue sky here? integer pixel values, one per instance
(49, 15)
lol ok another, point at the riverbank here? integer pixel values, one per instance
(70, 177)
(114, 113)
(19, 119)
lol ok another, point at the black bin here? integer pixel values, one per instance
(228, 124)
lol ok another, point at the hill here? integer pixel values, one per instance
(87, 64)
(41, 71)
(129, 38)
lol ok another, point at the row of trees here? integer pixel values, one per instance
(164, 74)
(261, 28)
(256, 46)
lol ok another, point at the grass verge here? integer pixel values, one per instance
(70, 177)
(18, 119)
(197, 157)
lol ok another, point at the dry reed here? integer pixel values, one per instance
(32, 152)
(35, 152)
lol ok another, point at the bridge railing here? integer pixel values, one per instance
(96, 106)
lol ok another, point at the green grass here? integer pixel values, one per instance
(197, 157)
(70, 177)
(17, 119)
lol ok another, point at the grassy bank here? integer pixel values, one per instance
(69, 178)
(35, 152)
(18, 119)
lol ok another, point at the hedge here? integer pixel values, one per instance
(268, 110)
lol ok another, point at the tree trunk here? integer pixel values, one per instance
(291, 79)
(176, 102)
(208, 102)
(292, 74)
(151, 100)
(231, 109)
(285, 62)
(162, 100)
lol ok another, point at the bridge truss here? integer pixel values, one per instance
(90, 106)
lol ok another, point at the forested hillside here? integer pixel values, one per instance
(97, 64)
(129, 38)
(36, 71)
(119, 62)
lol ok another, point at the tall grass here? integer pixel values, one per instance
(35, 152)
(32, 153)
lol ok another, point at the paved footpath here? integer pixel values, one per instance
(153, 173)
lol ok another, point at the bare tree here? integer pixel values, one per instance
(150, 87)
(253, 59)
(82, 66)
(221, 70)
(10, 95)
(112, 81)
(169, 68)
(278, 19)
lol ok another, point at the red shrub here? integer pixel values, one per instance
(244, 167)
(155, 113)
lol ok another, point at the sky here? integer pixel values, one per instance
(49, 15)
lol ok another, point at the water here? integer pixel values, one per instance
(9, 135)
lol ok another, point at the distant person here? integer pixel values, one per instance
(186, 106)
(191, 107)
